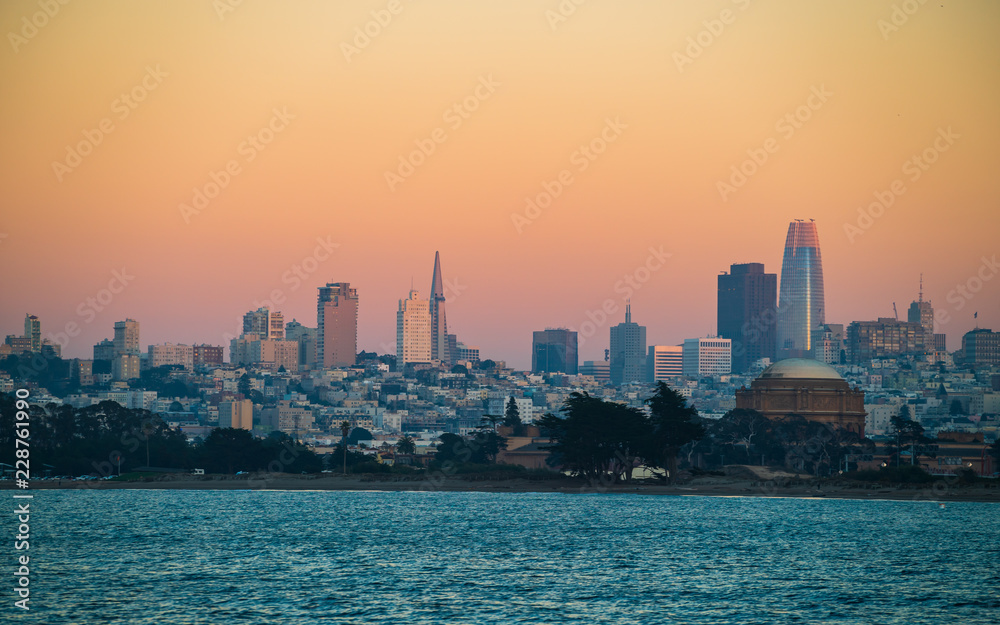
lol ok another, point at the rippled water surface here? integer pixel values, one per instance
(156, 557)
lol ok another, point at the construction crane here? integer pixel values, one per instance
(894, 313)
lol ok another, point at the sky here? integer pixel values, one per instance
(181, 162)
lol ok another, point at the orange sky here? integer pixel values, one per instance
(686, 114)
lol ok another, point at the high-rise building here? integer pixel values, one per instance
(664, 362)
(600, 370)
(801, 305)
(337, 325)
(923, 313)
(885, 337)
(236, 413)
(33, 332)
(265, 324)
(828, 344)
(306, 338)
(439, 325)
(18, 344)
(126, 339)
(981, 347)
(105, 350)
(554, 350)
(747, 313)
(125, 367)
(706, 357)
(413, 330)
(628, 351)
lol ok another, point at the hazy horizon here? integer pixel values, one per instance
(333, 115)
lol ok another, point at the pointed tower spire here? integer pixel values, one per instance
(628, 310)
(921, 288)
(439, 325)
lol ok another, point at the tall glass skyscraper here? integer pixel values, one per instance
(801, 303)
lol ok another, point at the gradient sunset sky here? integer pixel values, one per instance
(682, 115)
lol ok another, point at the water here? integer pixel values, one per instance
(157, 557)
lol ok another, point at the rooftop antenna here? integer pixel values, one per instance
(921, 288)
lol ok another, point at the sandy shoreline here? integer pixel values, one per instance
(705, 486)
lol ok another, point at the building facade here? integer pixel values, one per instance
(828, 344)
(554, 350)
(747, 313)
(882, 338)
(265, 324)
(439, 324)
(236, 413)
(802, 303)
(126, 339)
(664, 362)
(808, 388)
(706, 357)
(170, 354)
(33, 332)
(205, 355)
(600, 370)
(628, 351)
(413, 330)
(981, 347)
(337, 325)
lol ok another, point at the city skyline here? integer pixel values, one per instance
(651, 207)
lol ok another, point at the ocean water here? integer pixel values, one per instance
(218, 557)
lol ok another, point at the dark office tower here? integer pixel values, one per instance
(746, 313)
(923, 313)
(554, 351)
(439, 326)
(337, 325)
(628, 351)
(801, 306)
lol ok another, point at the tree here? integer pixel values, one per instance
(674, 425)
(492, 420)
(909, 433)
(512, 417)
(406, 445)
(243, 386)
(487, 364)
(460, 369)
(597, 439)
(345, 427)
(227, 450)
(358, 435)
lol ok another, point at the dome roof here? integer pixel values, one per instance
(800, 369)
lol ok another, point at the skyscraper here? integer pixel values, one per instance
(126, 339)
(923, 313)
(265, 324)
(413, 330)
(802, 304)
(337, 325)
(628, 351)
(664, 362)
(33, 332)
(746, 313)
(554, 351)
(439, 325)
